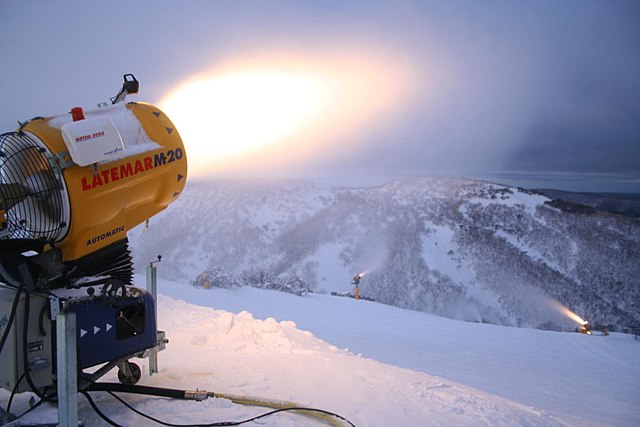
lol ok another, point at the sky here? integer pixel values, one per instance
(536, 94)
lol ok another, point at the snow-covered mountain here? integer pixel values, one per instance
(459, 248)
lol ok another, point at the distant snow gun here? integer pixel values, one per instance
(356, 281)
(203, 280)
(356, 278)
(585, 328)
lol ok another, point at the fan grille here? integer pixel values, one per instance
(30, 190)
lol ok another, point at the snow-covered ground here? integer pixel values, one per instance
(377, 365)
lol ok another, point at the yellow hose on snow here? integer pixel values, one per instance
(276, 404)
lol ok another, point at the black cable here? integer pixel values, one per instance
(227, 423)
(10, 323)
(275, 411)
(174, 394)
(14, 309)
(25, 353)
(137, 389)
(40, 402)
(13, 393)
(98, 411)
(147, 416)
(217, 424)
(46, 309)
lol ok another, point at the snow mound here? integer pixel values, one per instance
(237, 354)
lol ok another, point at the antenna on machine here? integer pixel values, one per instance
(130, 85)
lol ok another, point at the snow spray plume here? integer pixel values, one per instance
(568, 313)
(374, 253)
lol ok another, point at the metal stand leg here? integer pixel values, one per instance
(67, 370)
(152, 288)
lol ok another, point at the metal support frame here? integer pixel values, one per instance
(67, 369)
(152, 288)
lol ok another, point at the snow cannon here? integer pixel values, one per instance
(356, 281)
(357, 277)
(72, 185)
(585, 328)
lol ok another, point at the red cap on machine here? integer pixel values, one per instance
(77, 114)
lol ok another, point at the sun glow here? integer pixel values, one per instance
(279, 109)
(239, 112)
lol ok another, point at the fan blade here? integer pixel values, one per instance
(12, 194)
(31, 193)
(44, 190)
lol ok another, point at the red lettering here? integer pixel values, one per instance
(85, 184)
(139, 167)
(105, 175)
(96, 181)
(126, 170)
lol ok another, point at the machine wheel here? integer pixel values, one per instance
(132, 377)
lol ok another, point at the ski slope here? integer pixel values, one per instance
(376, 365)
